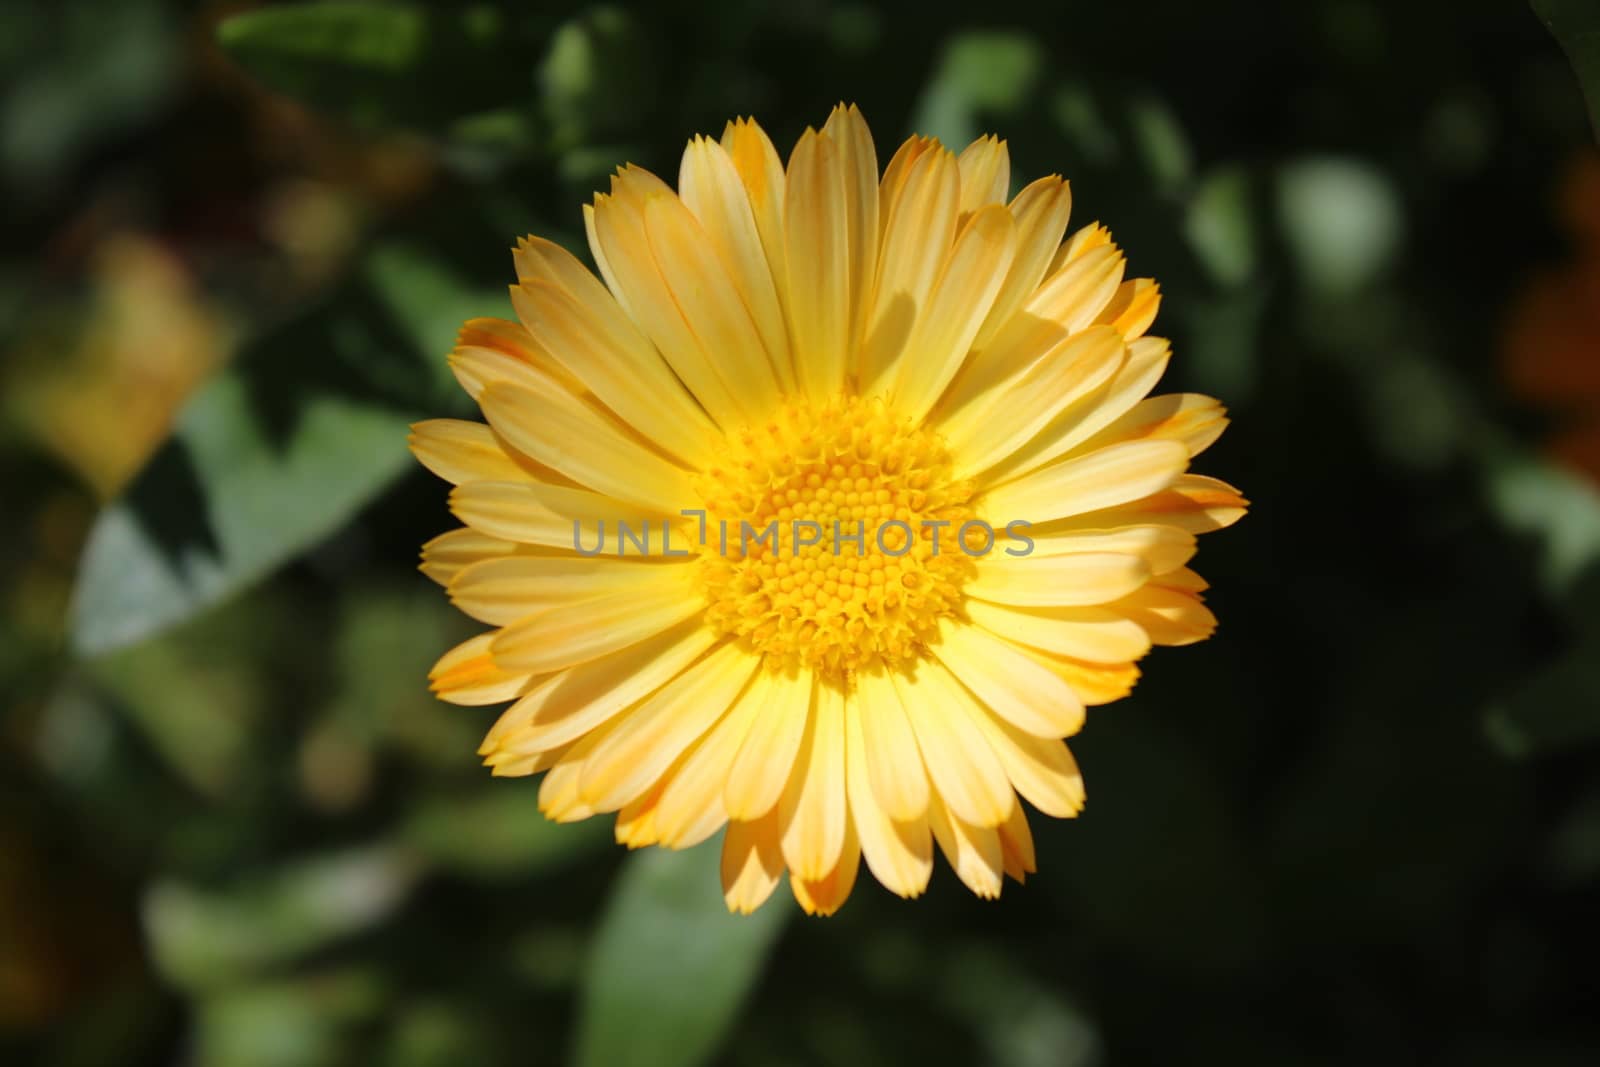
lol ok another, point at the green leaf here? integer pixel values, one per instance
(1558, 708)
(979, 73)
(294, 1022)
(1576, 25)
(275, 453)
(201, 938)
(598, 75)
(497, 831)
(670, 967)
(1556, 508)
(379, 64)
(76, 73)
(1341, 220)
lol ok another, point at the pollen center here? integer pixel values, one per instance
(831, 536)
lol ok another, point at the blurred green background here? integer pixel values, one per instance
(1360, 826)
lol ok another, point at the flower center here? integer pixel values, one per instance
(831, 536)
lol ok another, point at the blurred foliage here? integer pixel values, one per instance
(1362, 824)
(1577, 26)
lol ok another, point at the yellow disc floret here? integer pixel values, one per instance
(830, 536)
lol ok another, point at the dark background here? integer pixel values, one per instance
(1359, 826)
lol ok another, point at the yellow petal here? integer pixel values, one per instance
(918, 216)
(899, 854)
(1104, 478)
(641, 745)
(890, 755)
(711, 188)
(1193, 502)
(1185, 579)
(1041, 211)
(817, 243)
(893, 184)
(449, 554)
(985, 173)
(956, 308)
(691, 807)
(761, 171)
(1193, 420)
(1169, 616)
(858, 160)
(1010, 683)
(1076, 295)
(704, 294)
(467, 674)
(1132, 309)
(508, 766)
(568, 705)
(502, 334)
(592, 450)
(961, 766)
(1041, 768)
(1051, 581)
(583, 630)
(502, 591)
(559, 798)
(461, 452)
(1069, 300)
(813, 809)
(1099, 635)
(827, 895)
(1016, 846)
(973, 852)
(761, 770)
(752, 863)
(476, 368)
(1164, 547)
(587, 332)
(991, 418)
(562, 517)
(636, 825)
(1095, 683)
(1082, 242)
(616, 226)
(1146, 362)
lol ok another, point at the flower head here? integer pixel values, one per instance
(824, 515)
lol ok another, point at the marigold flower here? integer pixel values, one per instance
(823, 517)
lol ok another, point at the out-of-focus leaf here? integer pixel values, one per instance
(1224, 350)
(988, 72)
(1081, 118)
(1020, 1020)
(597, 75)
(1560, 509)
(1558, 708)
(379, 64)
(498, 831)
(1341, 219)
(74, 72)
(1573, 856)
(276, 452)
(670, 967)
(202, 938)
(1161, 143)
(1222, 227)
(433, 1032)
(404, 623)
(1576, 24)
(295, 1023)
(195, 706)
(219, 506)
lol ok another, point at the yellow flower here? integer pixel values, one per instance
(825, 516)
